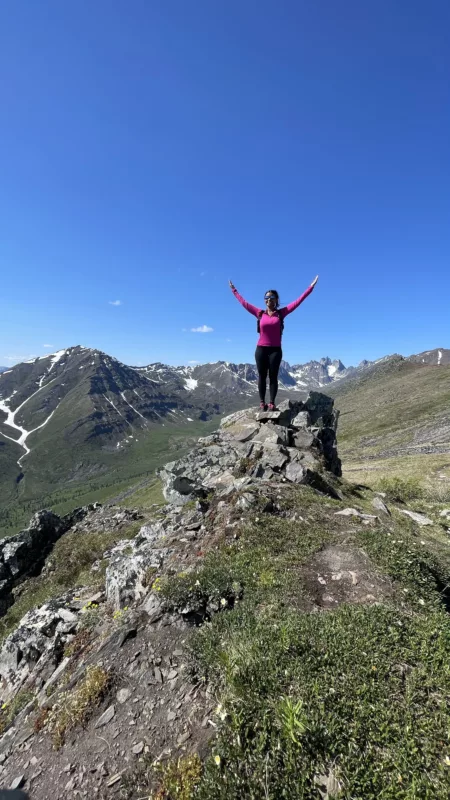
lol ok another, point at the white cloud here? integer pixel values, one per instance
(193, 362)
(115, 302)
(228, 340)
(48, 345)
(202, 329)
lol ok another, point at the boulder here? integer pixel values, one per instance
(36, 645)
(125, 576)
(303, 439)
(378, 504)
(321, 410)
(255, 437)
(327, 439)
(301, 420)
(296, 472)
(272, 433)
(421, 519)
(242, 431)
(273, 456)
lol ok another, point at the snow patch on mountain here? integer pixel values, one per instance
(11, 423)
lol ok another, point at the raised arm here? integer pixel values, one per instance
(248, 307)
(292, 306)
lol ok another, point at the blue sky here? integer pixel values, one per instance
(152, 150)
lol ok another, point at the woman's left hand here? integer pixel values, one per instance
(314, 282)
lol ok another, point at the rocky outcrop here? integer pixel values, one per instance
(35, 648)
(296, 443)
(24, 554)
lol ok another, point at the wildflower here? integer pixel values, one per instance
(447, 761)
(223, 602)
(374, 669)
(217, 760)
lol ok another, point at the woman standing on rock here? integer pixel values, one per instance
(268, 353)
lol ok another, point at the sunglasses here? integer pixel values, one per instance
(270, 297)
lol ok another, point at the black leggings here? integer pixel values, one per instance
(268, 360)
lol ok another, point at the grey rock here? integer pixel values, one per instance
(153, 607)
(25, 553)
(303, 439)
(36, 645)
(125, 635)
(245, 501)
(378, 504)
(296, 473)
(18, 782)
(301, 420)
(273, 456)
(242, 431)
(321, 411)
(138, 748)
(353, 512)
(271, 433)
(125, 576)
(123, 695)
(158, 675)
(68, 616)
(237, 416)
(106, 717)
(421, 519)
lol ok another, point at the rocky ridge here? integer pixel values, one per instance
(223, 476)
(24, 554)
(121, 630)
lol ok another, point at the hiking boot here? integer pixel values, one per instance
(272, 407)
(263, 406)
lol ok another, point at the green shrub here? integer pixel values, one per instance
(76, 707)
(400, 490)
(9, 710)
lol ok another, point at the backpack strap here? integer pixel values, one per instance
(278, 313)
(258, 322)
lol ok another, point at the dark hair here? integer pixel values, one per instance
(273, 291)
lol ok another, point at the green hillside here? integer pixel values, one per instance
(87, 482)
(395, 420)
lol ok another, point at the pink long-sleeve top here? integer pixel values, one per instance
(270, 326)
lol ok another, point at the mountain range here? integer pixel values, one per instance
(80, 418)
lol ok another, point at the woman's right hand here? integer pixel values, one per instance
(232, 286)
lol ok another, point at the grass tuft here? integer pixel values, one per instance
(178, 779)
(400, 490)
(10, 710)
(77, 706)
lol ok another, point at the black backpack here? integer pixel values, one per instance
(278, 313)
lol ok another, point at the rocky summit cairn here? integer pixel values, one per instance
(296, 443)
